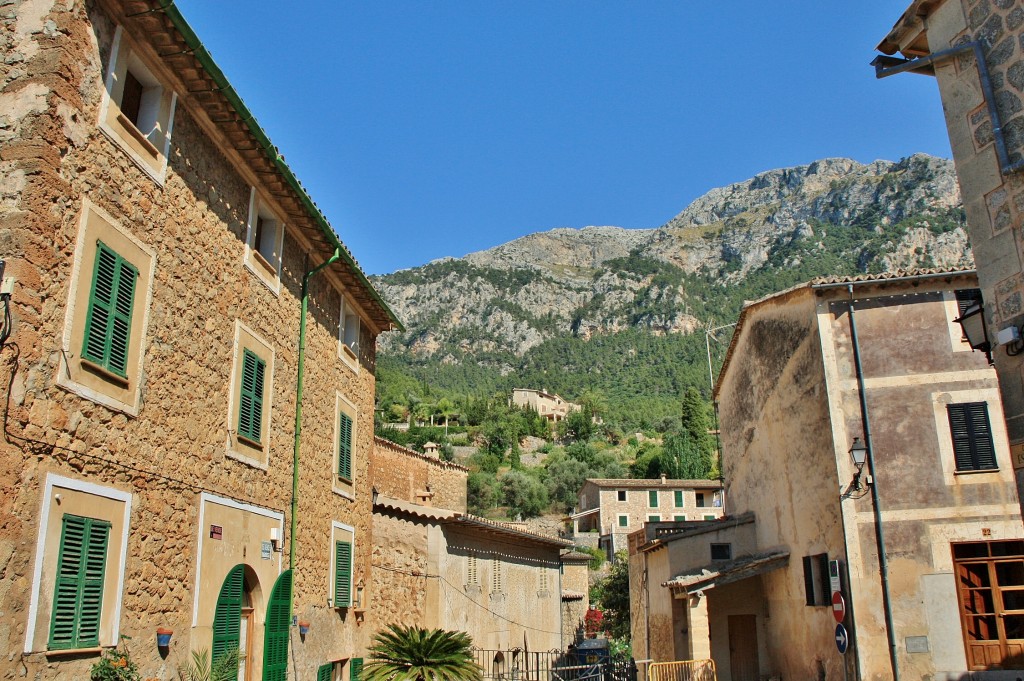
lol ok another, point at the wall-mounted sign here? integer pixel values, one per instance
(216, 532)
(838, 607)
(842, 639)
(266, 550)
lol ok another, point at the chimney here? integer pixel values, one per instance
(663, 478)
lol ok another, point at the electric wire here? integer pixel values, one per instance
(15, 363)
(427, 575)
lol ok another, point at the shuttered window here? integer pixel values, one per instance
(355, 672)
(324, 672)
(275, 634)
(250, 408)
(342, 574)
(678, 498)
(973, 448)
(108, 321)
(345, 447)
(227, 619)
(78, 591)
(652, 498)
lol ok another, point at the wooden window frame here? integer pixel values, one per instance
(343, 562)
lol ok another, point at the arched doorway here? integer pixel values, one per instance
(275, 635)
(234, 617)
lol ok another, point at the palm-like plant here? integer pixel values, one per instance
(401, 653)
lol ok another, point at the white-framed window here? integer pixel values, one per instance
(654, 518)
(78, 577)
(250, 398)
(107, 313)
(623, 520)
(620, 495)
(137, 111)
(348, 334)
(346, 454)
(264, 241)
(342, 575)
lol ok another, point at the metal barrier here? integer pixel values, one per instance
(684, 670)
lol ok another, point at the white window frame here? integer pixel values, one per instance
(61, 482)
(349, 329)
(336, 529)
(267, 269)
(619, 517)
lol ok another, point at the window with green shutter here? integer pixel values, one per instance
(108, 321)
(342, 574)
(623, 521)
(973, 448)
(227, 618)
(652, 498)
(275, 633)
(679, 498)
(250, 408)
(355, 672)
(78, 588)
(345, 447)
(324, 673)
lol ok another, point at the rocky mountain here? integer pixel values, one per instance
(774, 229)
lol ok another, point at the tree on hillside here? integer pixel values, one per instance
(564, 476)
(524, 495)
(481, 492)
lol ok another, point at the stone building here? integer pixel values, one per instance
(875, 365)
(975, 51)
(160, 250)
(549, 405)
(435, 565)
(613, 508)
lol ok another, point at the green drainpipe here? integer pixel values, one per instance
(298, 418)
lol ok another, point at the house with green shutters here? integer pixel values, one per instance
(188, 367)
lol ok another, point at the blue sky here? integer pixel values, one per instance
(436, 128)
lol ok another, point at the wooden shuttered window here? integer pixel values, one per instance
(652, 498)
(678, 498)
(342, 574)
(275, 634)
(345, 447)
(108, 321)
(324, 672)
(250, 408)
(355, 672)
(969, 425)
(227, 619)
(78, 591)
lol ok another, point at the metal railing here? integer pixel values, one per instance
(683, 670)
(552, 665)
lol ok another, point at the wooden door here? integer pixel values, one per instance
(990, 589)
(245, 636)
(743, 662)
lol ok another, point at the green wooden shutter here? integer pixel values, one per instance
(355, 671)
(227, 618)
(78, 588)
(323, 673)
(345, 447)
(652, 498)
(250, 408)
(275, 634)
(679, 498)
(342, 574)
(108, 321)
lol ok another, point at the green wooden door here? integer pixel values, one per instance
(227, 619)
(275, 636)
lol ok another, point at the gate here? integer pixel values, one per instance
(552, 665)
(685, 670)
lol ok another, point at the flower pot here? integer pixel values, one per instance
(303, 628)
(163, 637)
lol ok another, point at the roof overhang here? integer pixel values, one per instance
(725, 572)
(582, 514)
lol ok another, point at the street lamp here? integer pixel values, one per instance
(972, 321)
(858, 452)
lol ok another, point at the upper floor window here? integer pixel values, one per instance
(678, 498)
(138, 110)
(348, 332)
(702, 501)
(817, 585)
(251, 391)
(106, 315)
(652, 498)
(345, 459)
(264, 242)
(969, 426)
(621, 495)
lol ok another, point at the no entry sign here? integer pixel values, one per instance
(838, 607)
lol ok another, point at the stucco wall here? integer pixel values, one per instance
(53, 157)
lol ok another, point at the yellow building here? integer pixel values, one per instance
(160, 251)
(923, 541)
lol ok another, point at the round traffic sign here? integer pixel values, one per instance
(838, 606)
(842, 640)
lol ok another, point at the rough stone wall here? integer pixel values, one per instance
(402, 473)
(575, 578)
(993, 200)
(52, 156)
(400, 572)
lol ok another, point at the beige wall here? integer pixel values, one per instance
(165, 439)
(404, 474)
(575, 578)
